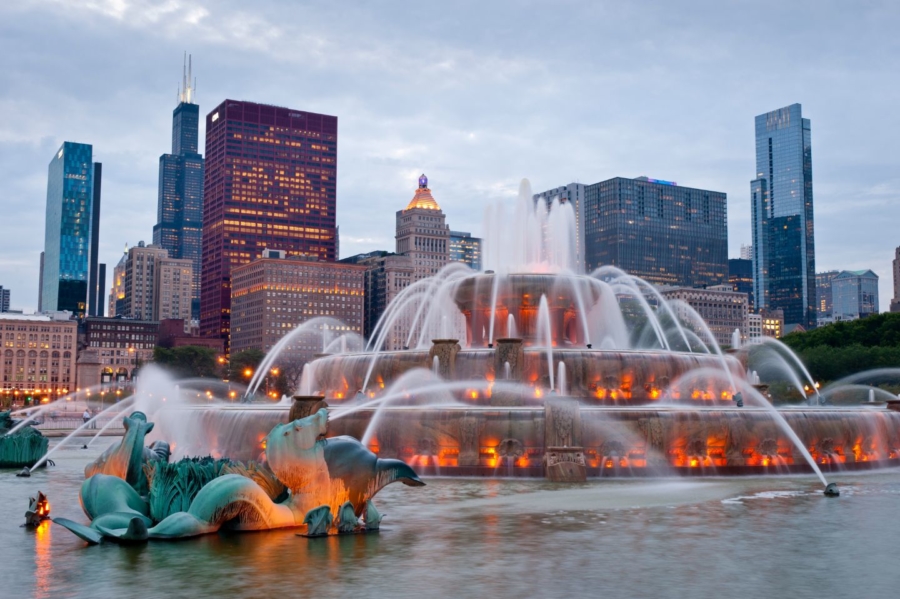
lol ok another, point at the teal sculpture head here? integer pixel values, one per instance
(295, 451)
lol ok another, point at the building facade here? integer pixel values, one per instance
(140, 272)
(386, 275)
(657, 230)
(573, 194)
(854, 294)
(895, 301)
(772, 322)
(423, 234)
(70, 268)
(4, 299)
(824, 297)
(117, 291)
(179, 213)
(740, 277)
(270, 181)
(122, 345)
(784, 256)
(723, 310)
(173, 289)
(273, 296)
(466, 249)
(39, 354)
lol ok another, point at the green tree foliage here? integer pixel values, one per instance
(241, 362)
(188, 361)
(878, 330)
(837, 350)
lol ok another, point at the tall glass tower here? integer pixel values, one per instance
(179, 211)
(784, 256)
(70, 236)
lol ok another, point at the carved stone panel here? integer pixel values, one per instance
(512, 352)
(562, 423)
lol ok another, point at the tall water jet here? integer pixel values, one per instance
(545, 336)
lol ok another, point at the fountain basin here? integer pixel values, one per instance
(615, 441)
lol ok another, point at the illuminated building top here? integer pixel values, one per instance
(423, 198)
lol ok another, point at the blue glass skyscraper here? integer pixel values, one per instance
(179, 212)
(784, 256)
(70, 234)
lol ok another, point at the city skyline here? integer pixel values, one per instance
(477, 151)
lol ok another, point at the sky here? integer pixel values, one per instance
(477, 95)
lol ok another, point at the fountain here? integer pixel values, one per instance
(596, 376)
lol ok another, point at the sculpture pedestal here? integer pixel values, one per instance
(565, 465)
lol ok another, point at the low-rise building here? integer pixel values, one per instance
(122, 345)
(38, 356)
(723, 310)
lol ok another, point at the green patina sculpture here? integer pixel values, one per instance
(318, 520)
(307, 479)
(22, 448)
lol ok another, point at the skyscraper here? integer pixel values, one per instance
(740, 277)
(179, 212)
(784, 256)
(895, 266)
(4, 299)
(660, 231)
(71, 233)
(824, 298)
(270, 182)
(422, 233)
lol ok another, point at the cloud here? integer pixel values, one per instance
(475, 94)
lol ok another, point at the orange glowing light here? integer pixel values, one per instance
(609, 463)
(473, 394)
(248, 372)
(537, 392)
(654, 393)
(694, 462)
(766, 461)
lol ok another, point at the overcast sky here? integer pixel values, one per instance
(475, 94)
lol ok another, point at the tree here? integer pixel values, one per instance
(189, 361)
(244, 364)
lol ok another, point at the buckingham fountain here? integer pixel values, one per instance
(532, 369)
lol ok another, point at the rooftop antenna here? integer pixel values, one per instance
(188, 83)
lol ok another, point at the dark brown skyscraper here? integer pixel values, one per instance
(269, 183)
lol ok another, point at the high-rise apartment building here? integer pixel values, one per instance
(784, 256)
(746, 252)
(172, 289)
(823, 296)
(273, 296)
(179, 211)
(4, 299)
(854, 294)
(466, 249)
(573, 194)
(270, 181)
(140, 270)
(657, 230)
(70, 274)
(422, 233)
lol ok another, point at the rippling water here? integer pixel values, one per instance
(748, 537)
